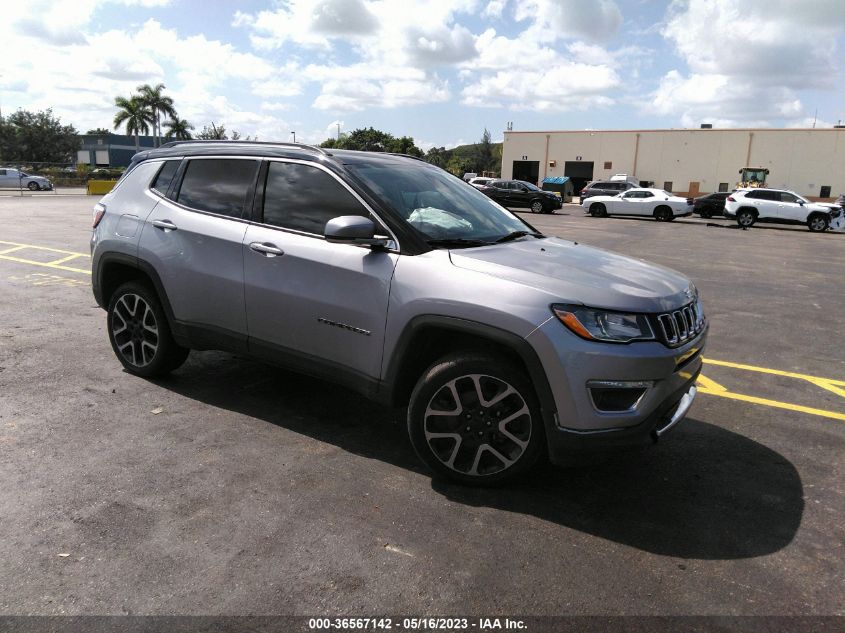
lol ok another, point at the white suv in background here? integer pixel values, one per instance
(774, 205)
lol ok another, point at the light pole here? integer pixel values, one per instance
(294, 136)
(338, 131)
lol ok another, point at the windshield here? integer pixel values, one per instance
(438, 205)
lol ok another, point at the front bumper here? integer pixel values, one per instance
(572, 365)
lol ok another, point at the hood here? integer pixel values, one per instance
(574, 273)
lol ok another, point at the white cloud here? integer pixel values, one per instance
(552, 19)
(747, 62)
(565, 86)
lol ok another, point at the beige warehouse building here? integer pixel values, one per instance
(810, 162)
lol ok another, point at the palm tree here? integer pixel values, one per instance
(178, 129)
(159, 104)
(137, 116)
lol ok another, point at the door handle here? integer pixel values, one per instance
(165, 225)
(266, 249)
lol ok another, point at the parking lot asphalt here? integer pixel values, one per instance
(237, 488)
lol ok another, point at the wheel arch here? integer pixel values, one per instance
(429, 337)
(747, 208)
(115, 269)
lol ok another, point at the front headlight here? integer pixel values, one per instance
(604, 325)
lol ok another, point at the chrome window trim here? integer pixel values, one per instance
(393, 244)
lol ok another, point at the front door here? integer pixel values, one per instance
(789, 209)
(321, 305)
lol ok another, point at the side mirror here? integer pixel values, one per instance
(801, 202)
(353, 229)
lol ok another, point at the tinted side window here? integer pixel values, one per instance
(646, 194)
(787, 197)
(162, 181)
(304, 198)
(218, 185)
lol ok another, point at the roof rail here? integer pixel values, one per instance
(230, 142)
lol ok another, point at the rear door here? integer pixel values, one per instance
(317, 304)
(767, 203)
(194, 239)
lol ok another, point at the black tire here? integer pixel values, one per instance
(664, 214)
(706, 215)
(818, 223)
(746, 218)
(537, 206)
(33, 186)
(506, 435)
(139, 332)
(598, 210)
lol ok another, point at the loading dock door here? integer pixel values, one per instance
(527, 170)
(580, 172)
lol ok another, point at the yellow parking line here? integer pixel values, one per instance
(774, 403)
(31, 262)
(44, 248)
(57, 264)
(775, 372)
(66, 259)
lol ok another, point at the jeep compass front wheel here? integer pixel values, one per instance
(139, 332)
(475, 419)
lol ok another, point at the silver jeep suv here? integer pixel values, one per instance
(398, 280)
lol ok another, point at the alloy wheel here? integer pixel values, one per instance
(477, 425)
(135, 330)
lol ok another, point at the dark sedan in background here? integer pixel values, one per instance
(711, 204)
(518, 193)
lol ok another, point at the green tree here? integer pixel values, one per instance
(178, 129)
(438, 156)
(135, 114)
(485, 154)
(213, 133)
(99, 130)
(159, 104)
(459, 165)
(37, 137)
(373, 140)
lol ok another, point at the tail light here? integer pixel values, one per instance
(99, 212)
(690, 201)
(583, 191)
(731, 199)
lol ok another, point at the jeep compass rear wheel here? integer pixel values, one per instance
(139, 332)
(474, 419)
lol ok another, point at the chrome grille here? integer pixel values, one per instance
(679, 326)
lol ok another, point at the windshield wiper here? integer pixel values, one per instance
(457, 242)
(516, 235)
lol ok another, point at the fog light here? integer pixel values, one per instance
(617, 396)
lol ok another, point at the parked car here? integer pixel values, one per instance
(605, 188)
(749, 206)
(711, 204)
(390, 276)
(655, 203)
(480, 180)
(14, 179)
(519, 194)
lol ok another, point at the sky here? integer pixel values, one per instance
(438, 70)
